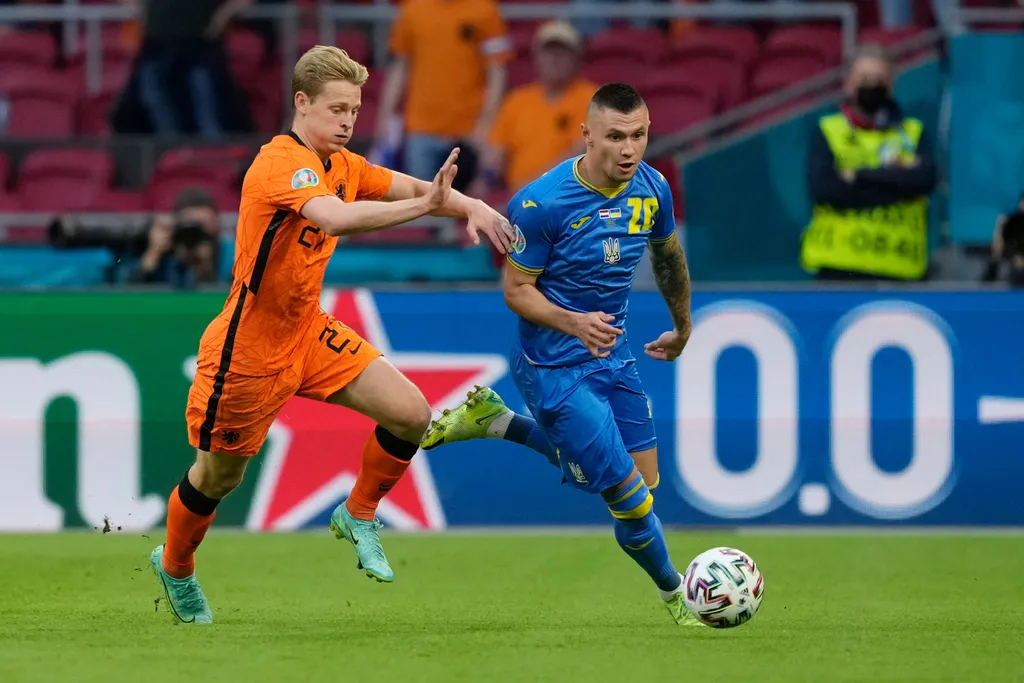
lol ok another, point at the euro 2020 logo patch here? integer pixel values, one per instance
(518, 241)
(304, 177)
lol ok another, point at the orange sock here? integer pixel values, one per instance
(385, 459)
(185, 531)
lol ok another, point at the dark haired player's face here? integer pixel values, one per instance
(331, 115)
(617, 141)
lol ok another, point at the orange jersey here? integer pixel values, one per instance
(280, 257)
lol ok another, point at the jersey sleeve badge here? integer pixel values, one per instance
(518, 241)
(305, 177)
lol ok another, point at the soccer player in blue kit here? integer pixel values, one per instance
(580, 232)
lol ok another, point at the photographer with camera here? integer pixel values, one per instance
(1007, 261)
(183, 250)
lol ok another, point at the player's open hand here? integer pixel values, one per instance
(596, 332)
(441, 188)
(482, 218)
(668, 346)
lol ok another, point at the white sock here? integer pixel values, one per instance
(668, 595)
(499, 425)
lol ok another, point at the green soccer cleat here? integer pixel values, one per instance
(680, 612)
(469, 421)
(184, 597)
(365, 538)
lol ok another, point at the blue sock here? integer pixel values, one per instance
(639, 533)
(525, 430)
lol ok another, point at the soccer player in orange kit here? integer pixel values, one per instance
(272, 341)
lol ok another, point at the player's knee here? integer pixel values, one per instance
(215, 475)
(631, 500)
(410, 421)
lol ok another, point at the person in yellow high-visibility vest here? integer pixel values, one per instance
(870, 171)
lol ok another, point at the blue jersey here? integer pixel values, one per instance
(584, 244)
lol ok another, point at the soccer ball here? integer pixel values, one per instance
(724, 587)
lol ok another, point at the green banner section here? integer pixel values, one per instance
(80, 375)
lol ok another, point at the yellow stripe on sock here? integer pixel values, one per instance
(638, 512)
(627, 494)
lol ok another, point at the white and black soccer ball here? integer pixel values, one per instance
(723, 587)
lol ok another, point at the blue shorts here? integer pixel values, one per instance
(595, 413)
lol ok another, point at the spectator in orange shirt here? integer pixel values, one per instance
(449, 65)
(538, 124)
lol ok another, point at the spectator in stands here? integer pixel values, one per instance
(183, 250)
(870, 171)
(449, 66)
(1007, 260)
(538, 124)
(182, 82)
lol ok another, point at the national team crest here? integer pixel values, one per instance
(611, 251)
(340, 191)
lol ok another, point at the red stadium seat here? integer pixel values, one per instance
(673, 112)
(39, 195)
(265, 101)
(245, 52)
(739, 45)
(10, 203)
(5, 172)
(92, 113)
(723, 76)
(781, 72)
(521, 71)
(405, 235)
(824, 43)
(353, 42)
(629, 44)
(161, 194)
(115, 44)
(668, 168)
(42, 110)
(121, 201)
(26, 48)
(521, 34)
(68, 165)
(114, 74)
(64, 179)
(886, 37)
(614, 70)
(34, 77)
(684, 81)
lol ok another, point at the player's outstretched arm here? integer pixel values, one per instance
(340, 218)
(481, 217)
(525, 300)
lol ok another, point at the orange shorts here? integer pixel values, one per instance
(236, 418)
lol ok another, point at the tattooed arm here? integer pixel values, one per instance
(673, 279)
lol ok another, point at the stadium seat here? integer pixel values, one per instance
(781, 72)
(521, 34)
(405, 235)
(737, 44)
(5, 172)
(620, 70)
(673, 112)
(42, 110)
(724, 76)
(227, 163)
(684, 81)
(521, 72)
(161, 193)
(68, 165)
(82, 176)
(121, 201)
(887, 37)
(92, 112)
(34, 76)
(26, 48)
(824, 43)
(668, 168)
(116, 44)
(627, 44)
(354, 42)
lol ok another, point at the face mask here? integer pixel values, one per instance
(871, 98)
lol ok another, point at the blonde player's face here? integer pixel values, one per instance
(331, 116)
(617, 141)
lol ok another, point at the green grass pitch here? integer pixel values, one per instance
(510, 607)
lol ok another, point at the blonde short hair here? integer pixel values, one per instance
(322, 64)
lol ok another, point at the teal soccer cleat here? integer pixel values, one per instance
(184, 597)
(365, 538)
(469, 421)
